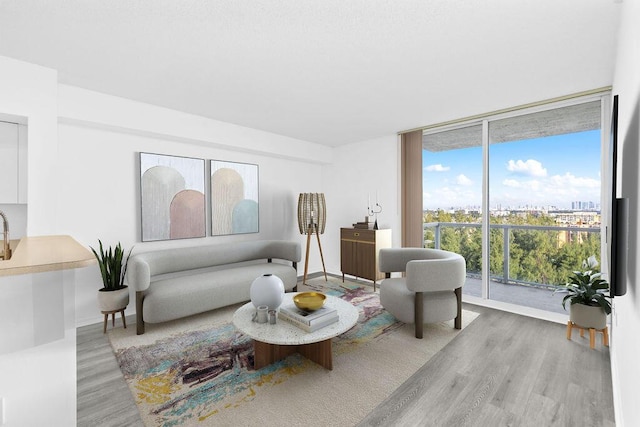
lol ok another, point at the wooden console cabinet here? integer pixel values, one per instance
(359, 252)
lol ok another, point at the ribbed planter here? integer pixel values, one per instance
(113, 300)
(588, 316)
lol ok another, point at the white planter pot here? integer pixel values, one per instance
(588, 316)
(113, 300)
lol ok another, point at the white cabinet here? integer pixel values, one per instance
(13, 164)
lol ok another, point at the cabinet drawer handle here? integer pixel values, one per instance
(356, 234)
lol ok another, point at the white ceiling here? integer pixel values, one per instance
(325, 71)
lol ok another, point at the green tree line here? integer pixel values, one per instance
(535, 256)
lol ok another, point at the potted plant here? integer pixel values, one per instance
(586, 293)
(114, 296)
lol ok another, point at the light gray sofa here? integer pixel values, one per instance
(175, 283)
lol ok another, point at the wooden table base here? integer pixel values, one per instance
(318, 352)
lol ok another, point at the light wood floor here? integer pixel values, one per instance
(502, 370)
(104, 398)
(506, 370)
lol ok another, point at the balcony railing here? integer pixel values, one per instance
(566, 235)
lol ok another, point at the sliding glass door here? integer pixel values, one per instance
(544, 201)
(519, 196)
(452, 185)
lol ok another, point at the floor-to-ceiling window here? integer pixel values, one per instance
(452, 196)
(518, 195)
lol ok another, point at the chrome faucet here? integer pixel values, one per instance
(6, 254)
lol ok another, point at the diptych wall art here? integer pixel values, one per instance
(234, 198)
(172, 197)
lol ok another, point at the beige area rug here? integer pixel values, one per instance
(199, 370)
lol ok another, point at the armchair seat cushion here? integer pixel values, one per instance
(398, 300)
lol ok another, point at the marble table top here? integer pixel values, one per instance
(284, 333)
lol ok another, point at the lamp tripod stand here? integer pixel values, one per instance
(312, 220)
(311, 229)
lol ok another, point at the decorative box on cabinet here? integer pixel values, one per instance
(359, 250)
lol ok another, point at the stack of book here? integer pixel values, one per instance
(308, 320)
(363, 225)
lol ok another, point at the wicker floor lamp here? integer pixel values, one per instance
(312, 219)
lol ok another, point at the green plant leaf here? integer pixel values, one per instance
(587, 287)
(112, 267)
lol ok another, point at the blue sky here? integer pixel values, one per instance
(555, 171)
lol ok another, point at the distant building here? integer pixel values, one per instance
(585, 206)
(579, 219)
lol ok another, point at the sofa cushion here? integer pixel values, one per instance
(144, 266)
(181, 296)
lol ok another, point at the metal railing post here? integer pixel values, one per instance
(437, 237)
(505, 253)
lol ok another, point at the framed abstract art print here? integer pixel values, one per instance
(172, 197)
(234, 198)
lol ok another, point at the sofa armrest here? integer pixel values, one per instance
(139, 273)
(282, 249)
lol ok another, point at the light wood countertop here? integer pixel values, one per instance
(46, 253)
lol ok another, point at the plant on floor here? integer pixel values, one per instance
(587, 287)
(113, 266)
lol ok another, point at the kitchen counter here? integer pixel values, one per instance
(46, 253)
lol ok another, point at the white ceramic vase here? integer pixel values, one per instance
(267, 289)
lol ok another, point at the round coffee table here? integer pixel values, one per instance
(275, 342)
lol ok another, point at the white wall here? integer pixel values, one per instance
(625, 344)
(30, 92)
(85, 107)
(360, 170)
(83, 180)
(98, 171)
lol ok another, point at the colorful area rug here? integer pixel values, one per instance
(199, 370)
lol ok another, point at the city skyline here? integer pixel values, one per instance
(551, 171)
(587, 206)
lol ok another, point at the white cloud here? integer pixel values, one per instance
(521, 187)
(533, 184)
(530, 167)
(463, 180)
(570, 180)
(447, 197)
(511, 183)
(557, 190)
(437, 168)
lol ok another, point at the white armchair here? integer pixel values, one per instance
(431, 290)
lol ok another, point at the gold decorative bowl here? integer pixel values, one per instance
(309, 301)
